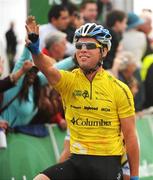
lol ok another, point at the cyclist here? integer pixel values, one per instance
(98, 108)
(66, 154)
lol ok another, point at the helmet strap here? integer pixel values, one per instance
(91, 70)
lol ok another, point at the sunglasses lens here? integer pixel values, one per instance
(88, 45)
(78, 45)
(91, 46)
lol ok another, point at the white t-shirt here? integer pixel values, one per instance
(48, 29)
(135, 42)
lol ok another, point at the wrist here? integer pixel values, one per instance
(34, 45)
(134, 178)
(12, 78)
(22, 71)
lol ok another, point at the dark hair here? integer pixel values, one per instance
(113, 16)
(55, 11)
(72, 8)
(85, 2)
(23, 95)
(34, 69)
(107, 5)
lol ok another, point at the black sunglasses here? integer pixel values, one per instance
(88, 45)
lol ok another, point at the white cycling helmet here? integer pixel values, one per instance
(95, 31)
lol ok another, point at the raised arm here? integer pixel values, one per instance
(65, 64)
(43, 62)
(27, 65)
(26, 55)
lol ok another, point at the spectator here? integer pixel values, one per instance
(88, 9)
(55, 45)
(12, 79)
(116, 22)
(147, 77)
(127, 66)
(26, 91)
(130, 43)
(147, 29)
(124, 69)
(104, 7)
(11, 44)
(76, 20)
(10, 82)
(58, 20)
(25, 95)
(132, 36)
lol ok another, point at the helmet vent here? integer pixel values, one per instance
(91, 28)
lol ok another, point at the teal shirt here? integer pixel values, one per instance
(21, 113)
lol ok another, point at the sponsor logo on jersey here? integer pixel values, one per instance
(87, 122)
(105, 109)
(91, 108)
(84, 94)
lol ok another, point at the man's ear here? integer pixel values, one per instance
(104, 52)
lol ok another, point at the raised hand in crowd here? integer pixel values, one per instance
(26, 66)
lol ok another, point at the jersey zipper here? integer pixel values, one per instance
(90, 90)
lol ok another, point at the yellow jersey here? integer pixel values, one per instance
(93, 110)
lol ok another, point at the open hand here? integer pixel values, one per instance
(32, 29)
(31, 25)
(32, 41)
